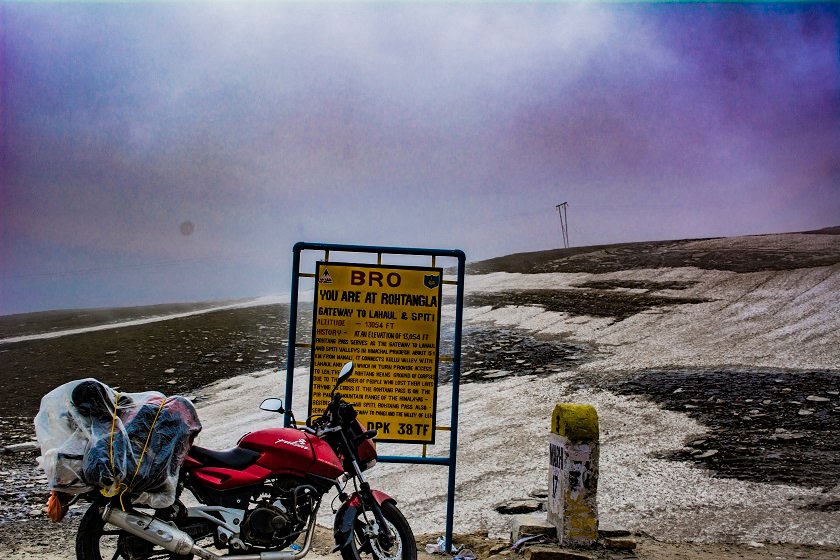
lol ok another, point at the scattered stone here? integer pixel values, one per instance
(764, 447)
(169, 370)
(548, 552)
(786, 436)
(619, 543)
(754, 544)
(517, 506)
(609, 531)
(706, 454)
(540, 493)
(814, 398)
(529, 524)
(20, 447)
(485, 352)
(499, 548)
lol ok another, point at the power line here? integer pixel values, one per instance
(564, 223)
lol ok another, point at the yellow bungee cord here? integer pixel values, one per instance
(121, 488)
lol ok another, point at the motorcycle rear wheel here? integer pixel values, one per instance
(95, 540)
(404, 547)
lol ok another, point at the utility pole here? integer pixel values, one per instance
(564, 223)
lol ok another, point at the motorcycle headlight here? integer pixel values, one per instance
(367, 454)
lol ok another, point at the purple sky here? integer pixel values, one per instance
(436, 125)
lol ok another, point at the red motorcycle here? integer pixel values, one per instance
(261, 497)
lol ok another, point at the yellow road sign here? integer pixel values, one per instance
(386, 319)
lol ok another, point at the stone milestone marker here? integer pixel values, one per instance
(573, 474)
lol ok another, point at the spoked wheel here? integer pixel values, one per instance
(403, 547)
(97, 540)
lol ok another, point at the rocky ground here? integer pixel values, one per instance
(775, 422)
(176, 356)
(763, 424)
(40, 539)
(776, 427)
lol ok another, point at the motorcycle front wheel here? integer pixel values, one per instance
(403, 547)
(97, 540)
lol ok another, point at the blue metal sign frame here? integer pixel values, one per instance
(451, 460)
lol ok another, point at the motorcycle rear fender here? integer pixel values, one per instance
(347, 513)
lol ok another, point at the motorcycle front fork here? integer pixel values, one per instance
(379, 530)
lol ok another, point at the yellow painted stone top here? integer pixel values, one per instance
(577, 422)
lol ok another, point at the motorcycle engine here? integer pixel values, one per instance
(262, 522)
(278, 514)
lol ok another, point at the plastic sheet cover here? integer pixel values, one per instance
(123, 444)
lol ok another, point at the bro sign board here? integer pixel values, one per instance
(386, 319)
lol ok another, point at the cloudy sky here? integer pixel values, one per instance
(159, 152)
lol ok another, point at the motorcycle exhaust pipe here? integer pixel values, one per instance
(156, 532)
(175, 540)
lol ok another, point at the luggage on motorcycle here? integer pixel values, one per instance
(126, 444)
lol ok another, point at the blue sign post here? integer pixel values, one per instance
(433, 254)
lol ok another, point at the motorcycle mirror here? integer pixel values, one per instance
(272, 405)
(345, 372)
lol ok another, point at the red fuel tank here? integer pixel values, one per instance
(290, 450)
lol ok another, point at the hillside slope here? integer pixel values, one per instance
(686, 316)
(738, 254)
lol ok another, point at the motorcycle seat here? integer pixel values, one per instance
(235, 457)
